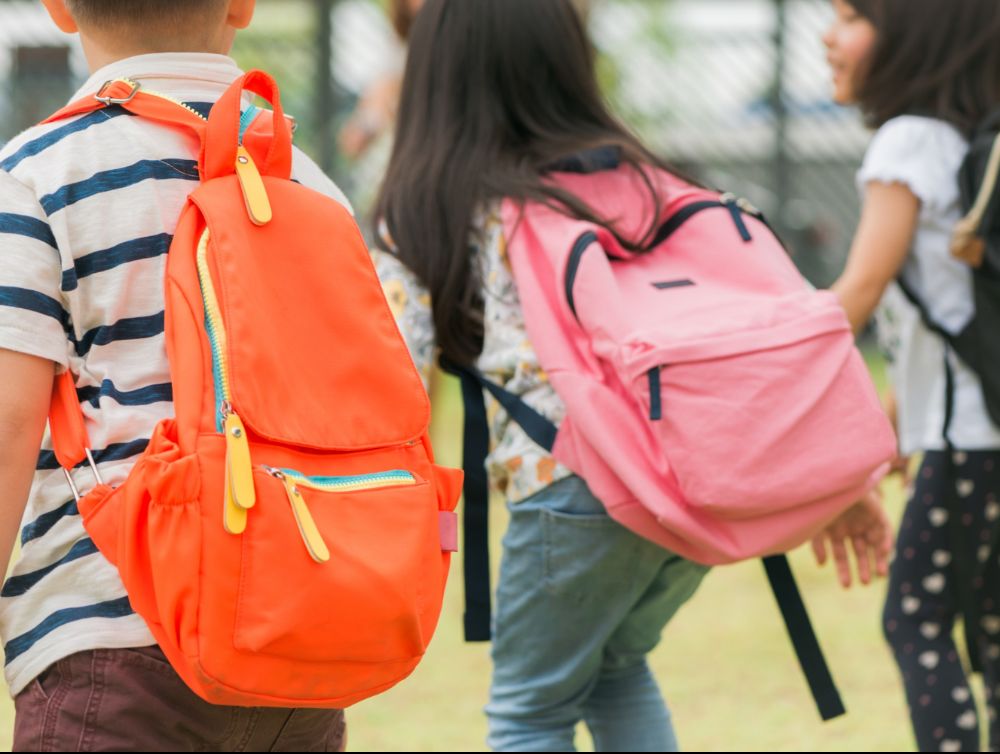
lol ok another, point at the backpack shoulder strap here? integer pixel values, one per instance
(129, 95)
(972, 223)
(69, 433)
(475, 448)
(220, 139)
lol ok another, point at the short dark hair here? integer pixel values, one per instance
(934, 58)
(133, 12)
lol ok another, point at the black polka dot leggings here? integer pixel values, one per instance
(922, 602)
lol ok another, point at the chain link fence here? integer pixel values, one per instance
(734, 92)
(737, 93)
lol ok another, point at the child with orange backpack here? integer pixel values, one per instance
(559, 266)
(207, 561)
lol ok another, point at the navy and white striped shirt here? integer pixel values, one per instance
(88, 207)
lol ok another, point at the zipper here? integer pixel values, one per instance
(737, 207)
(258, 206)
(240, 495)
(294, 480)
(144, 90)
(395, 478)
(583, 243)
(247, 118)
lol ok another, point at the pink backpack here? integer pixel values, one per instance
(716, 403)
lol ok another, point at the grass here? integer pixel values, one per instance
(725, 664)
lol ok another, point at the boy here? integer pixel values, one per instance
(88, 206)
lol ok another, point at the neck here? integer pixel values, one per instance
(100, 53)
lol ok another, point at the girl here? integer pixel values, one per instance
(924, 74)
(497, 93)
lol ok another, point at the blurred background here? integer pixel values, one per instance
(734, 92)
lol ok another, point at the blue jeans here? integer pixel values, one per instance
(580, 603)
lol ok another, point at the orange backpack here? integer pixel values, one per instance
(287, 536)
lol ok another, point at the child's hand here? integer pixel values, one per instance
(869, 530)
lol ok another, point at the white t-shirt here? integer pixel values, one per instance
(88, 207)
(925, 155)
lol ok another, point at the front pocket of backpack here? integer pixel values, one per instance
(757, 432)
(337, 568)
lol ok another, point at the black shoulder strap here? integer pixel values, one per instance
(803, 636)
(925, 314)
(963, 344)
(475, 448)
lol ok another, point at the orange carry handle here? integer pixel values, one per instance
(222, 140)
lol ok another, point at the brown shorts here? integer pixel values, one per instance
(132, 700)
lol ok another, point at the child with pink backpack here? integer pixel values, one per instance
(667, 391)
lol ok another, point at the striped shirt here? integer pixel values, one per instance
(87, 211)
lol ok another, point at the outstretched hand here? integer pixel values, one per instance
(866, 527)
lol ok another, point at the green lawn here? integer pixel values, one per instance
(725, 664)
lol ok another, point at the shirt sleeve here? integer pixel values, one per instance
(33, 315)
(923, 154)
(312, 176)
(410, 303)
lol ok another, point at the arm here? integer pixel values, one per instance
(33, 337)
(881, 245)
(24, 407)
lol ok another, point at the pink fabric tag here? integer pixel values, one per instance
(448, 527)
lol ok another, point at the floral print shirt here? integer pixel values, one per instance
(518, 468)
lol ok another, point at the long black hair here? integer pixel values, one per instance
(939, 58)
(495, 92)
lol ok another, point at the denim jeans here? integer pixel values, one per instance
(580, 603)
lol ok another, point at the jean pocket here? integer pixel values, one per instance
(149, 658)
(45, 683)
(585, 556)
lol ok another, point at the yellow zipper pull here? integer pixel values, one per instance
(239, 467)
(254, 194)
(317, 548)
(234, 518)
